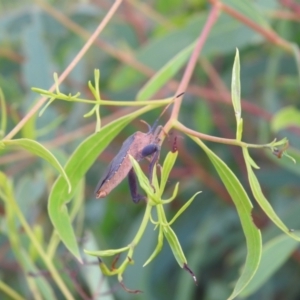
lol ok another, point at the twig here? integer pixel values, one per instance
(68, 70)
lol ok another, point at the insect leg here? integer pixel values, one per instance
(136, 197)
(175, 147)
(155, 158)
(152, 149)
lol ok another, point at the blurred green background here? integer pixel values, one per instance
(39, 38)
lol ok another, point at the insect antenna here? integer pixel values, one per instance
(146, 124)
(151, 129)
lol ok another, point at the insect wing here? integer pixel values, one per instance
(115, 163)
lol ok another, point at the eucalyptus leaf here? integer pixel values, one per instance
(261, 199)
(166, 169)
(236, 95)
(78, 164)
(244, 208)
(158, 247)
(236, 86)
(275, 253)
(39, 150)
(175, 246)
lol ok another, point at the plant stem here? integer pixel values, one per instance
(137, 238)
(105, 102)
(10, 292)
(54, 273)
(216, 139)
(142, 228)
(162, 219)
(68, 70)
(212, 18)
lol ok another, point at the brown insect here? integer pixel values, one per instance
(139, 145)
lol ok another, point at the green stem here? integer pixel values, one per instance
(10, 292)
(137, 238)
(52, 245)
(193, 133)
(142, 228)
(162, 219)
(98, 123)
(43, 255)
(103, 102)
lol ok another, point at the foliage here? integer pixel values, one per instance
(149, 52)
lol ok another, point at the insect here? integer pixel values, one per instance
(139, 145)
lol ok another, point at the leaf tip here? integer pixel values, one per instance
(185, 267)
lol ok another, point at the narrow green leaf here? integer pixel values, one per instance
(284, 153)
(175, 245)
(175, 192)
(46, 105)
(91, 112)
(236, 94)
(275, 253)
(78, 202)
(80, 161)
(165, 74)
(262, 201)
(158, 247)
(155, 179)
(166, 169)
(77, 206)
(236, 85)
(252, 163)
(109, 252)
(152, 194)
(39, 150)
(183, 208)
(287, 116)
(244, 209)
